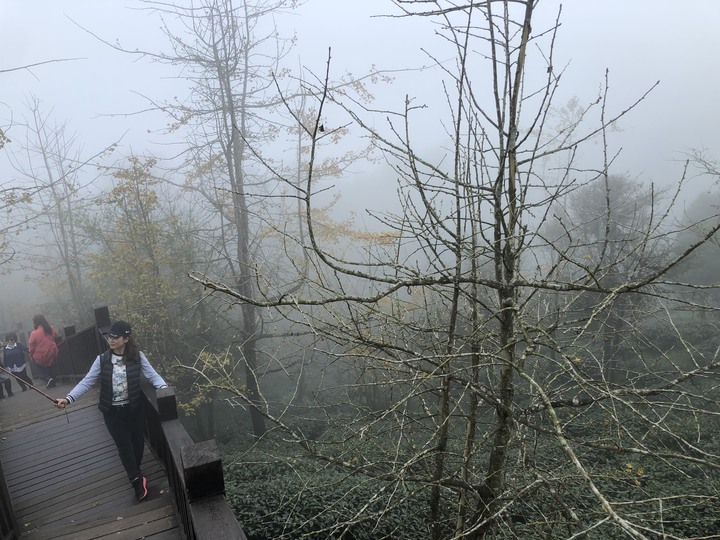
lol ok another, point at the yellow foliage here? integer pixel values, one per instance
(635, 473)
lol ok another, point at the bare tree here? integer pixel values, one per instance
(51, 169)
(494, 414)
(227, 51)
(610, 224)
(231, 53)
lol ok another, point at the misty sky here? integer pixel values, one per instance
(639, 41)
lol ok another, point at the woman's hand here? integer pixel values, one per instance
(61, 403)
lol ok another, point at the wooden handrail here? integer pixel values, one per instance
(194, 471)
(8, 521)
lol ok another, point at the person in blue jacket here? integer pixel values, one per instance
(14, 361)
(119, 370)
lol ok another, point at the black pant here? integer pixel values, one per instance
(127, 428)
(8, 386)
(45, 372)
(24, 376)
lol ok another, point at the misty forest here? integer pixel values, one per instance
(515, 339)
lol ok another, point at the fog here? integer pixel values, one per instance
(54, 54)
(639, 42)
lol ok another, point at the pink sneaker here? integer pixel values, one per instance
(140, 485)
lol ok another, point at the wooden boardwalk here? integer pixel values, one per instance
(66, 480)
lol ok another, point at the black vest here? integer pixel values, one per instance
(133, 378)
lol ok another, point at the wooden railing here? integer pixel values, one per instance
(8, 522)
(194, 471)
(77, 351)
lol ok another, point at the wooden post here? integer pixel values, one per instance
(102, 316)
(166, 403)
(203, 471)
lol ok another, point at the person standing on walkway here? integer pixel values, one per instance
(14, 360)
(44, 349)
(119, 370)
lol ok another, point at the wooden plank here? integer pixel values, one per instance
(66, 480)
(101, 500)
(126, 519)
(163, 535)
(29, 407)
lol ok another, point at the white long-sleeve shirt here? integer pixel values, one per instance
(93, 376)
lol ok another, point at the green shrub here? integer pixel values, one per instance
(292, 499)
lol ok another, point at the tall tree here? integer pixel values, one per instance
(52, 172)
(227, 50)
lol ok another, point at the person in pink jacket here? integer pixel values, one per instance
(44, 349)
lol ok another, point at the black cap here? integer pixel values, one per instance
(119, 329)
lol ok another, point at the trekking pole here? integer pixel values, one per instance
(55, 401)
